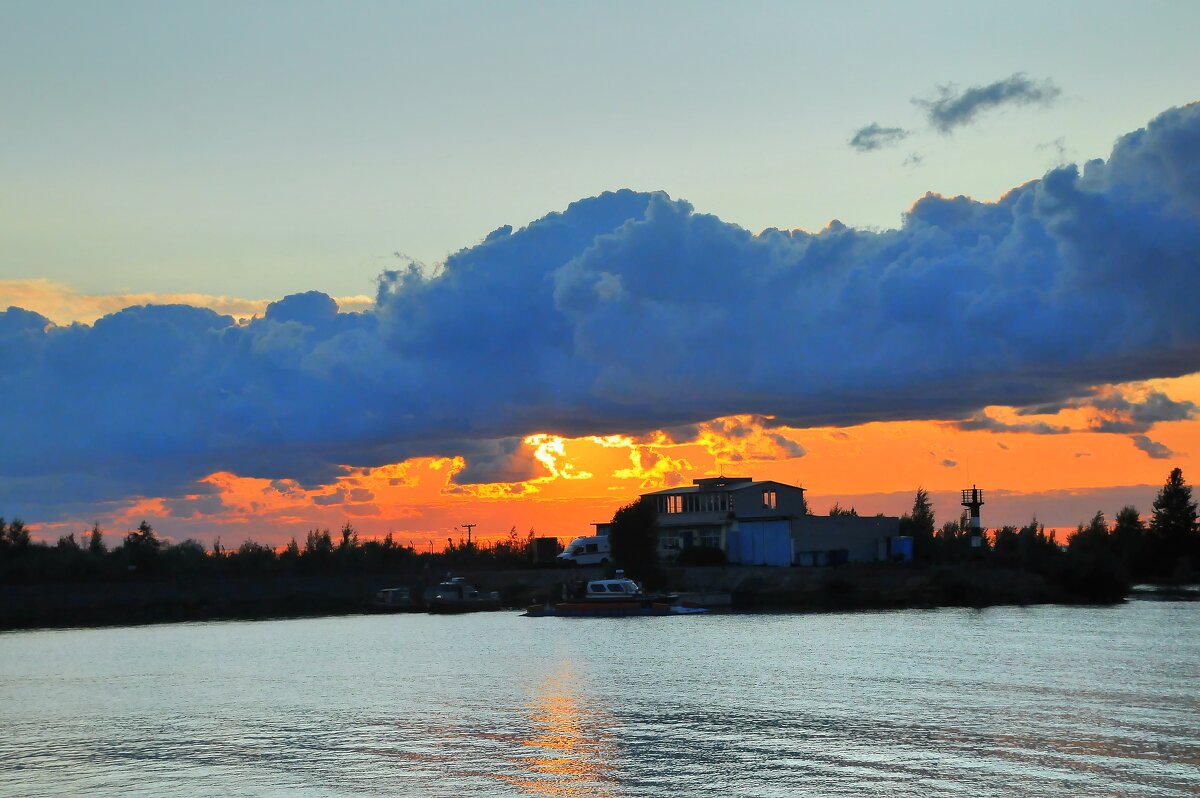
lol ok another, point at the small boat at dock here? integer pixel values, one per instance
(611, 597)
(392, 599)
(456, 596)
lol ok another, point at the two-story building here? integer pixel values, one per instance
(764, 522)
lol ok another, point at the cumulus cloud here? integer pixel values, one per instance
(953, 108)
(876, 137)
(625, 313)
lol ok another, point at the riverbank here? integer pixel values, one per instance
(51, 605)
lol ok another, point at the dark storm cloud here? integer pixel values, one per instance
(953, 109)
(625, 313)
(876, 137)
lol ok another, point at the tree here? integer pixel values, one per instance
(836, 510)
(96, 541)
(141, 547)
(349, 538)
(633, 536)
(18, 535)
(1129, 540)
(143, 538)
(1093, 569)
(919, 525)
(1173, 525)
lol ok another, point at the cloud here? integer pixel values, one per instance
(625, 313)
(1153, 449)
(982, 421)
(1117, 413)
(953, 109)
(492, 461)
(63, 305)
(949, 463)
(876, 137)
(1108, 411)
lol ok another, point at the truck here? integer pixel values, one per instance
(586, 551)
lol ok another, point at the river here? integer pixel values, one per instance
(1036, 701)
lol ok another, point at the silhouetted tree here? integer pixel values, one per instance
(141, 548)
(920, 525)
(252, 558)
(1093, 570)
(18, 535)
(188, 558)
(289, 558)
(318, 550)
(96, 545)
(633, 536)
(1173, 526)
(836, 510)
(1129, 541)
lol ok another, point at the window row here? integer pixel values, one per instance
(696, 503)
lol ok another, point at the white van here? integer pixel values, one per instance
(586, 551)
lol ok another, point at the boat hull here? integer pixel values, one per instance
(609, 609)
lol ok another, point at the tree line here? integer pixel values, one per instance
(142, 554)
(1165, 548)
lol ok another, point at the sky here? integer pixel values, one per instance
(275, 266)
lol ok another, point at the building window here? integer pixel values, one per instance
(769, 499)
(673, 504)
(710, 538)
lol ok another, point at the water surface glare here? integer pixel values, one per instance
(1041, 701)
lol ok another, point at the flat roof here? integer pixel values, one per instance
(727, 488)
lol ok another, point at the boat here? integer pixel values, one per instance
(392, 599)
(611, 597)
(455, 595)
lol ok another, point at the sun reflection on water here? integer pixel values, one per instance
(571, 751)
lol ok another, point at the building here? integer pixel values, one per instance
(763, 522)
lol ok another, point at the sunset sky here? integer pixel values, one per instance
(277, 266)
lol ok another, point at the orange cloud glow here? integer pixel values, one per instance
(872, 467)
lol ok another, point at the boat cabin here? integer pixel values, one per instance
(393, 597)
(612, 589)
(456, 588)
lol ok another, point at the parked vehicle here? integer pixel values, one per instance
(586, 551)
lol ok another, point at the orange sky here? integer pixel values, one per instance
(1061, 478)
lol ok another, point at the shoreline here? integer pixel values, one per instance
(836, 589)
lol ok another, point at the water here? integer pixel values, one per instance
(1043, 701)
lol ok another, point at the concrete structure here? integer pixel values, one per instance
(763, 522)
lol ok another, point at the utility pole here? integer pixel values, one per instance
(469, 528)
